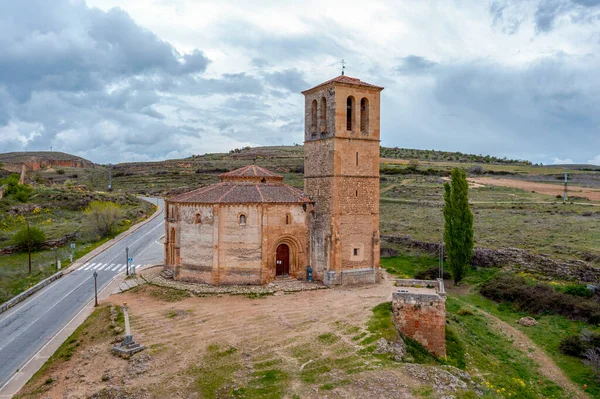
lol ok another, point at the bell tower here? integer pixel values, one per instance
(341, 176)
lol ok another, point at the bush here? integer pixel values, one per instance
(577, 290)
(431, 274)
(103, 217)
(60, 171)
(572, 346)
(36, 237)
(476, 170)
(540, 298)
(18, 191)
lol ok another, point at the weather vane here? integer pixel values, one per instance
(343, 65)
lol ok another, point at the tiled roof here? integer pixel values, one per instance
(250, 184)
(232, 192)
(252, 172)
(347, 80)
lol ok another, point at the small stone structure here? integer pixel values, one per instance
(128, 347)
(420, 313)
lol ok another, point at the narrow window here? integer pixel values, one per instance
(364, 115)
(355, 251)
(323, 121)
(197, 218)
(357, 159)
(288, 219)
(349, 113)
(242, 220)
(356, 193)
(313, 128)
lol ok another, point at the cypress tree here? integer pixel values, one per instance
(458, 224)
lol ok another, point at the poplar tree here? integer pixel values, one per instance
(458, 224)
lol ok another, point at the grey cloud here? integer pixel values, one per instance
(290, 79)
(414, 64)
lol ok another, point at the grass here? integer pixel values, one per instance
(94, 328)
(547, 335)
(472, 344)
(58, 213)
(406, 266)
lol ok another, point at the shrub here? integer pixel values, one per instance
(572, 346)
(578, 290)
(103, 216)
(476, 169)
(36, 237)
(540, 298)
(60, 171)
(431, 274)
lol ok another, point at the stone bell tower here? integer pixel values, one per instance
(341, 176)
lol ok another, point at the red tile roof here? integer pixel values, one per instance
(250, 184)
(243, 193)
(253, 172)
(347, 80)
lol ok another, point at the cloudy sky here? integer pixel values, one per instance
(122, 80)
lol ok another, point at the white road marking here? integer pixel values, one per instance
(97, 266)
(114, 269)
(81, 268)
(102, 266)
(111, 267)
(122, 268)
(43, 314)
(90, 266)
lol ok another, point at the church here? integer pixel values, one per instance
(252, 228)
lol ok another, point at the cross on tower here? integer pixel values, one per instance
(343, 65)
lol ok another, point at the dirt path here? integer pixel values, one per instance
(542, 188)
(547, 366)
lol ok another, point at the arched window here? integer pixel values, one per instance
(350, 113)
(242, 219)
(313, 128)
(364, 115)
(197, 218)
(323, 121)
(172, 257)
(288, 218)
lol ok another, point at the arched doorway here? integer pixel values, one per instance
(282, 260)
(172, 247)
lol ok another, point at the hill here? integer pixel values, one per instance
(14, 161)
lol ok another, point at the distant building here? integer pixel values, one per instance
(251, 228)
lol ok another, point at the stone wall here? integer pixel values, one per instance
(514, 259)
(213, 247)
(422, 317)
(342, 178)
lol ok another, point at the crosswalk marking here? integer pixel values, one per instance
(112, 267)
(90, 266)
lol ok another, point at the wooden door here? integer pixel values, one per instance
(282, 260)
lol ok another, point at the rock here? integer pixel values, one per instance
(528, 321)
(397, 349)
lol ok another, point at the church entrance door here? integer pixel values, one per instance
(282, 260)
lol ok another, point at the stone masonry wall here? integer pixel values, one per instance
(342, 178)
(422, 317)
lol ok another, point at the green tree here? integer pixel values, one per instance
(103, 216)
(458, 224)
(36, 237)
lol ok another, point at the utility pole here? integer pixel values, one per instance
(95, 288)
(28, 245)
(127, 257)
(566, 188)
(109, 177)
(55, 250)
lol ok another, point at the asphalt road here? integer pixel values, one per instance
(27, 327)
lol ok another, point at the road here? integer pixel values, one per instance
(27, 327)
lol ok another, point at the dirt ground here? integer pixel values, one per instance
(542, 188)
(279, 329)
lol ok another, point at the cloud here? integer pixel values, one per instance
(558, 161)
(414, 64)
(595, 160)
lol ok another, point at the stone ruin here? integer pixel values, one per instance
(419, 308)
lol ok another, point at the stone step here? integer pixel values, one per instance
(167, 274)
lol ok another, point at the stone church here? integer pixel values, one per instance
(251, 228)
